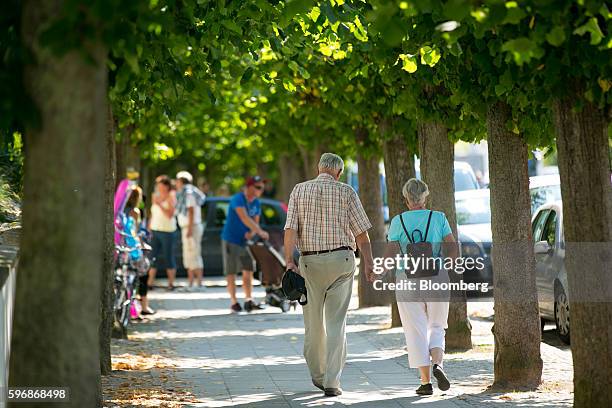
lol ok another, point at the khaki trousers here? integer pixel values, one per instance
(329, 281)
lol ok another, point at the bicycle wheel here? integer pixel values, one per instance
(121, 305)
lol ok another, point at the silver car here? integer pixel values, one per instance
(544, 189)
(551, 276)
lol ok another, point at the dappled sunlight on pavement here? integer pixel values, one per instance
(198, 354)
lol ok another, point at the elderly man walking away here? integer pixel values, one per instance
(326, 219)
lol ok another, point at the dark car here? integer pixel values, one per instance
(214, 213)
(474, 229)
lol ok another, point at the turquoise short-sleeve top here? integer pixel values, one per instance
(417, 220)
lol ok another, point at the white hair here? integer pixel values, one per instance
(331, 161)
(415, 191)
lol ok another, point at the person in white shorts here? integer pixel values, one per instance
(189, 215)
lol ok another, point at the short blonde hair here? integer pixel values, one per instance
(415, 191)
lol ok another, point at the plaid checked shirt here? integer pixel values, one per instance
(326, 214)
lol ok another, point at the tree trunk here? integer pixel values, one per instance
(55, 340)
(584, 167)
(437, 170)
(147, 180)
(517, 324)
(133, 160)
(371, 197)
(127, 158)
(310, 160)
(121, 158)
(399, 168)
(108, 259)
(289, 175)
(261, 169)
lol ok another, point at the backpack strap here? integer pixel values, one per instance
(427, 228)
(406, 230)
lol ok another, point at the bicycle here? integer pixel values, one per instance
(131, 263)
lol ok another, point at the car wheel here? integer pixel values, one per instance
(562, 314)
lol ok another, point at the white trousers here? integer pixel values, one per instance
(424, 325)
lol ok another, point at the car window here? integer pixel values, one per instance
(205, 209)
(270, 215)
(538, 225)
(544, 194)
(475, 210)
(464, 180)
(550, 229)
(221, 213)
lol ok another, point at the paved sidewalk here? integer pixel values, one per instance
(255, 360)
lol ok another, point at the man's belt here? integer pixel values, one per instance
(342, 248)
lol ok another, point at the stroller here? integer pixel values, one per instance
(270, 267)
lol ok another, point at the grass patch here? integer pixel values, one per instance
(10, 208)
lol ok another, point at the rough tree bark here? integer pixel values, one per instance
(584, 167)
(106, 300)
(368, 175)
(399, 168)
(55, 339)
(289, 175)
(517, 324)
(437, 170)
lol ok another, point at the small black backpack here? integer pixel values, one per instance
(422, 249)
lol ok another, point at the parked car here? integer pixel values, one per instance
(474, 220)
(544, 189)
(463, 176)
(473, 210)
(214, 214)
(551, 276)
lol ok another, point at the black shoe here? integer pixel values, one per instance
(149, 311)
(236, 308)
(332, 392)
(249, 306)
(318, 385)
(443, 383)
(425, 389)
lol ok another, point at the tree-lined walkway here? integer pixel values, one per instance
(227, 88)
(194, 353)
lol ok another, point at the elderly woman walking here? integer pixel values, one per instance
(424, 313)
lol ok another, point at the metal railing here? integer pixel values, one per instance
(9, 249)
